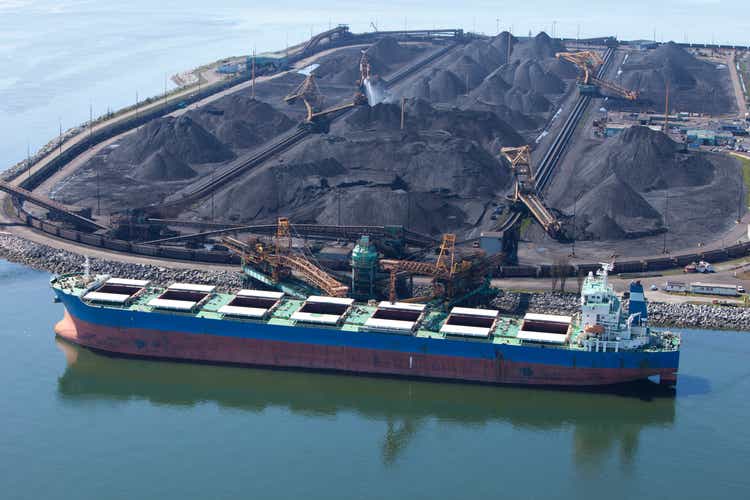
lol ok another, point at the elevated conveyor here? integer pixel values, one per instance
(525, 190)
(64, 212)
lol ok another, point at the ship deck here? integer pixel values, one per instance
(504, 330)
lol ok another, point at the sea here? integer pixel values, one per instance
(79, 425)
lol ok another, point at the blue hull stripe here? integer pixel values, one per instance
(175, 322)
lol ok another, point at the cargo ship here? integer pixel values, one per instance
(602, 344)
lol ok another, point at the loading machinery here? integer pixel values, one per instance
(451, 277)
(588, 62)
(525, 189)
(274, 264)
(309, 93)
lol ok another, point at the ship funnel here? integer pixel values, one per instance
(637, 302)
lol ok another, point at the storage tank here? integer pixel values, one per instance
(364, 267)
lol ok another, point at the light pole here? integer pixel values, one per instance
(666, 219)
(573, 249)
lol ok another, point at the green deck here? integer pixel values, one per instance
(504, 332)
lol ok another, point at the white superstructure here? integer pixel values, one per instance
(603, 324)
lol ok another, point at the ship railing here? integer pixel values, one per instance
(597, 345)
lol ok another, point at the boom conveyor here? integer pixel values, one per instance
(588, 62)
(525, 190)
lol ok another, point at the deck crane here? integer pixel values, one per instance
(588, 62)
(282, 261)
(525, 188)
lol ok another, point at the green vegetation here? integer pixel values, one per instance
(745, 171)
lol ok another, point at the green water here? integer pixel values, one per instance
(77, 425)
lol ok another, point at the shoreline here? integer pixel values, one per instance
(57, 261)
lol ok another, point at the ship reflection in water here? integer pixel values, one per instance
(601, 422)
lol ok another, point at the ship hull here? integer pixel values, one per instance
(181, 337)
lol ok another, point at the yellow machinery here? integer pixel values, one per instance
(588, 62)
(283, 261)
(309, 93)
(446, 272)
(525, 190)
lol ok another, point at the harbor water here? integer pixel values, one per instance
(61, 59)
(79, 425)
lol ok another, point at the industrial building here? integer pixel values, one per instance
(714, 289)
(708, 138)
(675, 286)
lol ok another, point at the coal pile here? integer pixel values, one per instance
(485, 54)
(469, 71)
(542, 46)
(159, 158)
(492, 95)
(504, 43)
(530, 75)
(647, 160)
(182, 138)
(387, 50)
(431, 184)
(241, 122)
(622, 186)
(438, 175)
(384, 56)
(519, 86)
(480, 126)
(162, 166)
(439, 86)
(694, 85)
(614, 210)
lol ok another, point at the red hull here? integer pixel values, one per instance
(216, 349)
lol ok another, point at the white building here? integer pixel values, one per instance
(713, 289)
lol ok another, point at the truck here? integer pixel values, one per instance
(700, 267)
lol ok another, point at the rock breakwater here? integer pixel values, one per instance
(56, 261)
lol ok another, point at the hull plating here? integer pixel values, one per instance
(392, 355)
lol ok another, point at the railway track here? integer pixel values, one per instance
(557, 149)
(321, 231)
(63, 211)
(211, 183)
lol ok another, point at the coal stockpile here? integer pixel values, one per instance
(542, 46)
(181, 137)
(641, 183)
(483, 127)
(438, 175)
(163, 166)
(241, 122)
(694, 85)
(520, 86)
(159, 158)
(384, 56)
(646, 160)
(614, 210)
